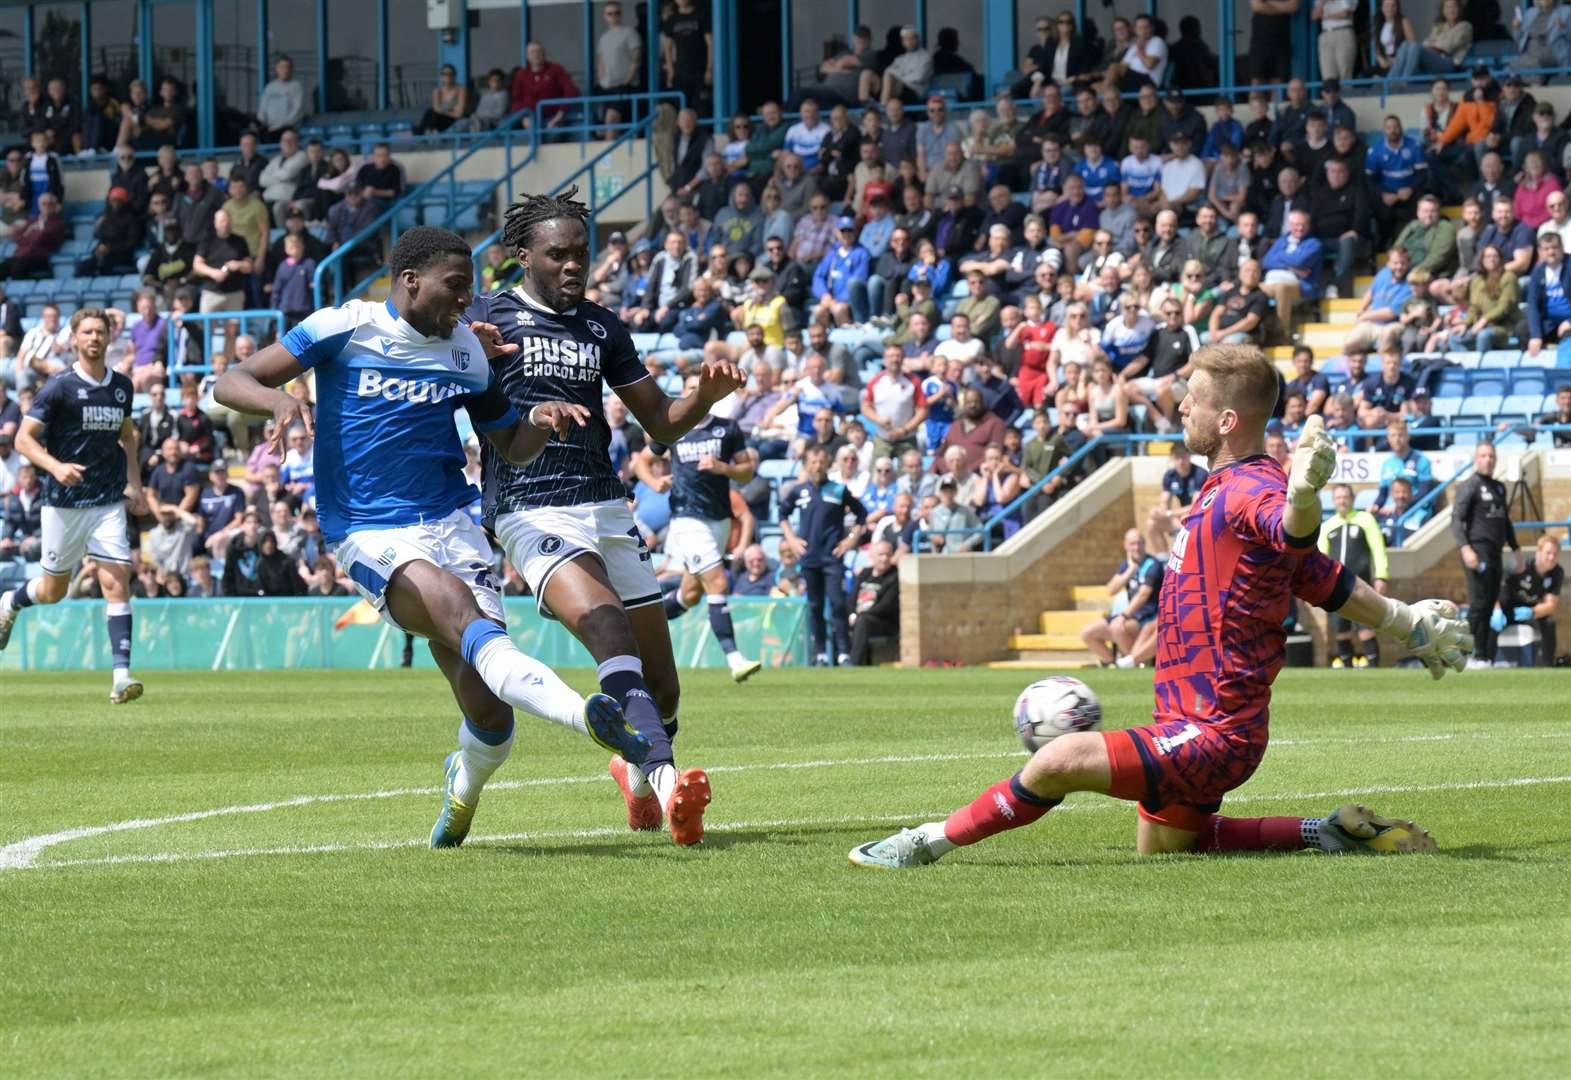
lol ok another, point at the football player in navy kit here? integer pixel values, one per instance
(704, 462)
(564, 519)
(80, 435)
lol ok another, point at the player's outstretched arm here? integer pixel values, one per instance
(667, 419)
(522, 442)
(1313, 463)
(253, 388)
(1429, 629)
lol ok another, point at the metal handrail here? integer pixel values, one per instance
(176, 325)
(587, 170)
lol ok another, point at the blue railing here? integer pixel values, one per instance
(270, 319)
(511, 131)
(586, 171)
(1410, 517)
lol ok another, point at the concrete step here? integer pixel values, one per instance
(1284, 354)
(1323, 334)
(1095, 593)
(1063, 622)
(1056, 662)
(1343, 320)
(1047, 642)
(1345, 305)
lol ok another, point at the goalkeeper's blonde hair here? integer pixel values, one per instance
(1242, 378)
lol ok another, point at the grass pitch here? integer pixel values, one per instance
(288, 920)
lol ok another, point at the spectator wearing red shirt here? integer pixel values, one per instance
(1034, 337)
(540, 80)
(36, 240)
(894, 404)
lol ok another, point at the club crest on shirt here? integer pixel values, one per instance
(120, 395)
(461, 358)
(595, 328)
(1205, 503)
(550, 545)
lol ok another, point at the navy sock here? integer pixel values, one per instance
(670, 726)
(622, 677)
(120, 634)
(674, 608)
(21, 597)
(720, 623)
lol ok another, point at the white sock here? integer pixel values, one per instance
(477, 760)
(1124, 662)
(638, 781)
(525, 683)
(734, 656)
(663, 781)
(937, 842)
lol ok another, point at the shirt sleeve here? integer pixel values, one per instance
(1257, 517)
(321, 337)
(1322, 581)
(490, 409)
(621, 367)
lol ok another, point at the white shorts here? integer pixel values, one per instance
(541, 541)
(69, 532)
(699, 544)
(454, 543)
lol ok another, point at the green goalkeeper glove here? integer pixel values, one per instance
(1430, 631)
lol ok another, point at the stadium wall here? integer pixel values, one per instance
(339, 632)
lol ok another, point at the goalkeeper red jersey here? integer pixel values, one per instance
(1230, 584)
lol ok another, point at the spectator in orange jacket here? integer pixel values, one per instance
(540, 80)
(1457, 149)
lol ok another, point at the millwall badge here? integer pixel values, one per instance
(595, 328)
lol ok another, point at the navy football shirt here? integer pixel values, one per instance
(82, 420)
(820, 511)
(568, 356)
(694, 492)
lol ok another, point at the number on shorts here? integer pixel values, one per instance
(643, 548)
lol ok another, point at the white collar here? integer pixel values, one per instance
(523, 295)
(81, 372)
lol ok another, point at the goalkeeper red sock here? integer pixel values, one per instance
(1005, 805)
(1252, 834)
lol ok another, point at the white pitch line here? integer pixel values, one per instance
(781, 823)
(22, 854)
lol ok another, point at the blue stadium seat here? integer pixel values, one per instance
(1523, 405)
(1467, 439)
(1486, 382)
(1545, 359)
(1364, 498)
(1444, 407)
(1501, 358)
(1453, 383)
(777, 470)
(960, 289)
(1529, 381)
(771, 546)
(1481, 405)
(1467, 360)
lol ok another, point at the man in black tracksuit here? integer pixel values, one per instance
(877, 603)
(1482, 528)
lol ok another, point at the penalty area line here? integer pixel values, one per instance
(779, 823)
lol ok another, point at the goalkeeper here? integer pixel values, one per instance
(1246, 549)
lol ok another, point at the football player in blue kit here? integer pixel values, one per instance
(80, 435)
(391, 493)
(704, 462)
(564, 518)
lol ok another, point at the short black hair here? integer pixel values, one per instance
(530, 212)
(422, 245)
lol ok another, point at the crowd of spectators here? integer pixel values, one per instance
(950, 305)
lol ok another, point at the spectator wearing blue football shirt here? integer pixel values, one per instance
(805, 138)
(1382, 396)
(1548, 296)
(1292, 268)
(877, 229)
(700, 320)
(1405, 463)
(1224, 129)
(837, 300)
(1383, 302)
(299, 470)
(1097, 171)
(1141, 171)
(1350, 376)
(1398, 172)
(940, 390)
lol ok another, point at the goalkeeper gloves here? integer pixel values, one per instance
(1430, 631)
(1313, 463)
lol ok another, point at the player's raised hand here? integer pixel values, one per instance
(1431, 631)
(719, 379)
(1313, 463)
(558, 417)
(491, 340)
(288, 412)
(67, 474)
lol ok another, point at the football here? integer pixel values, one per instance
(1052, 707)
